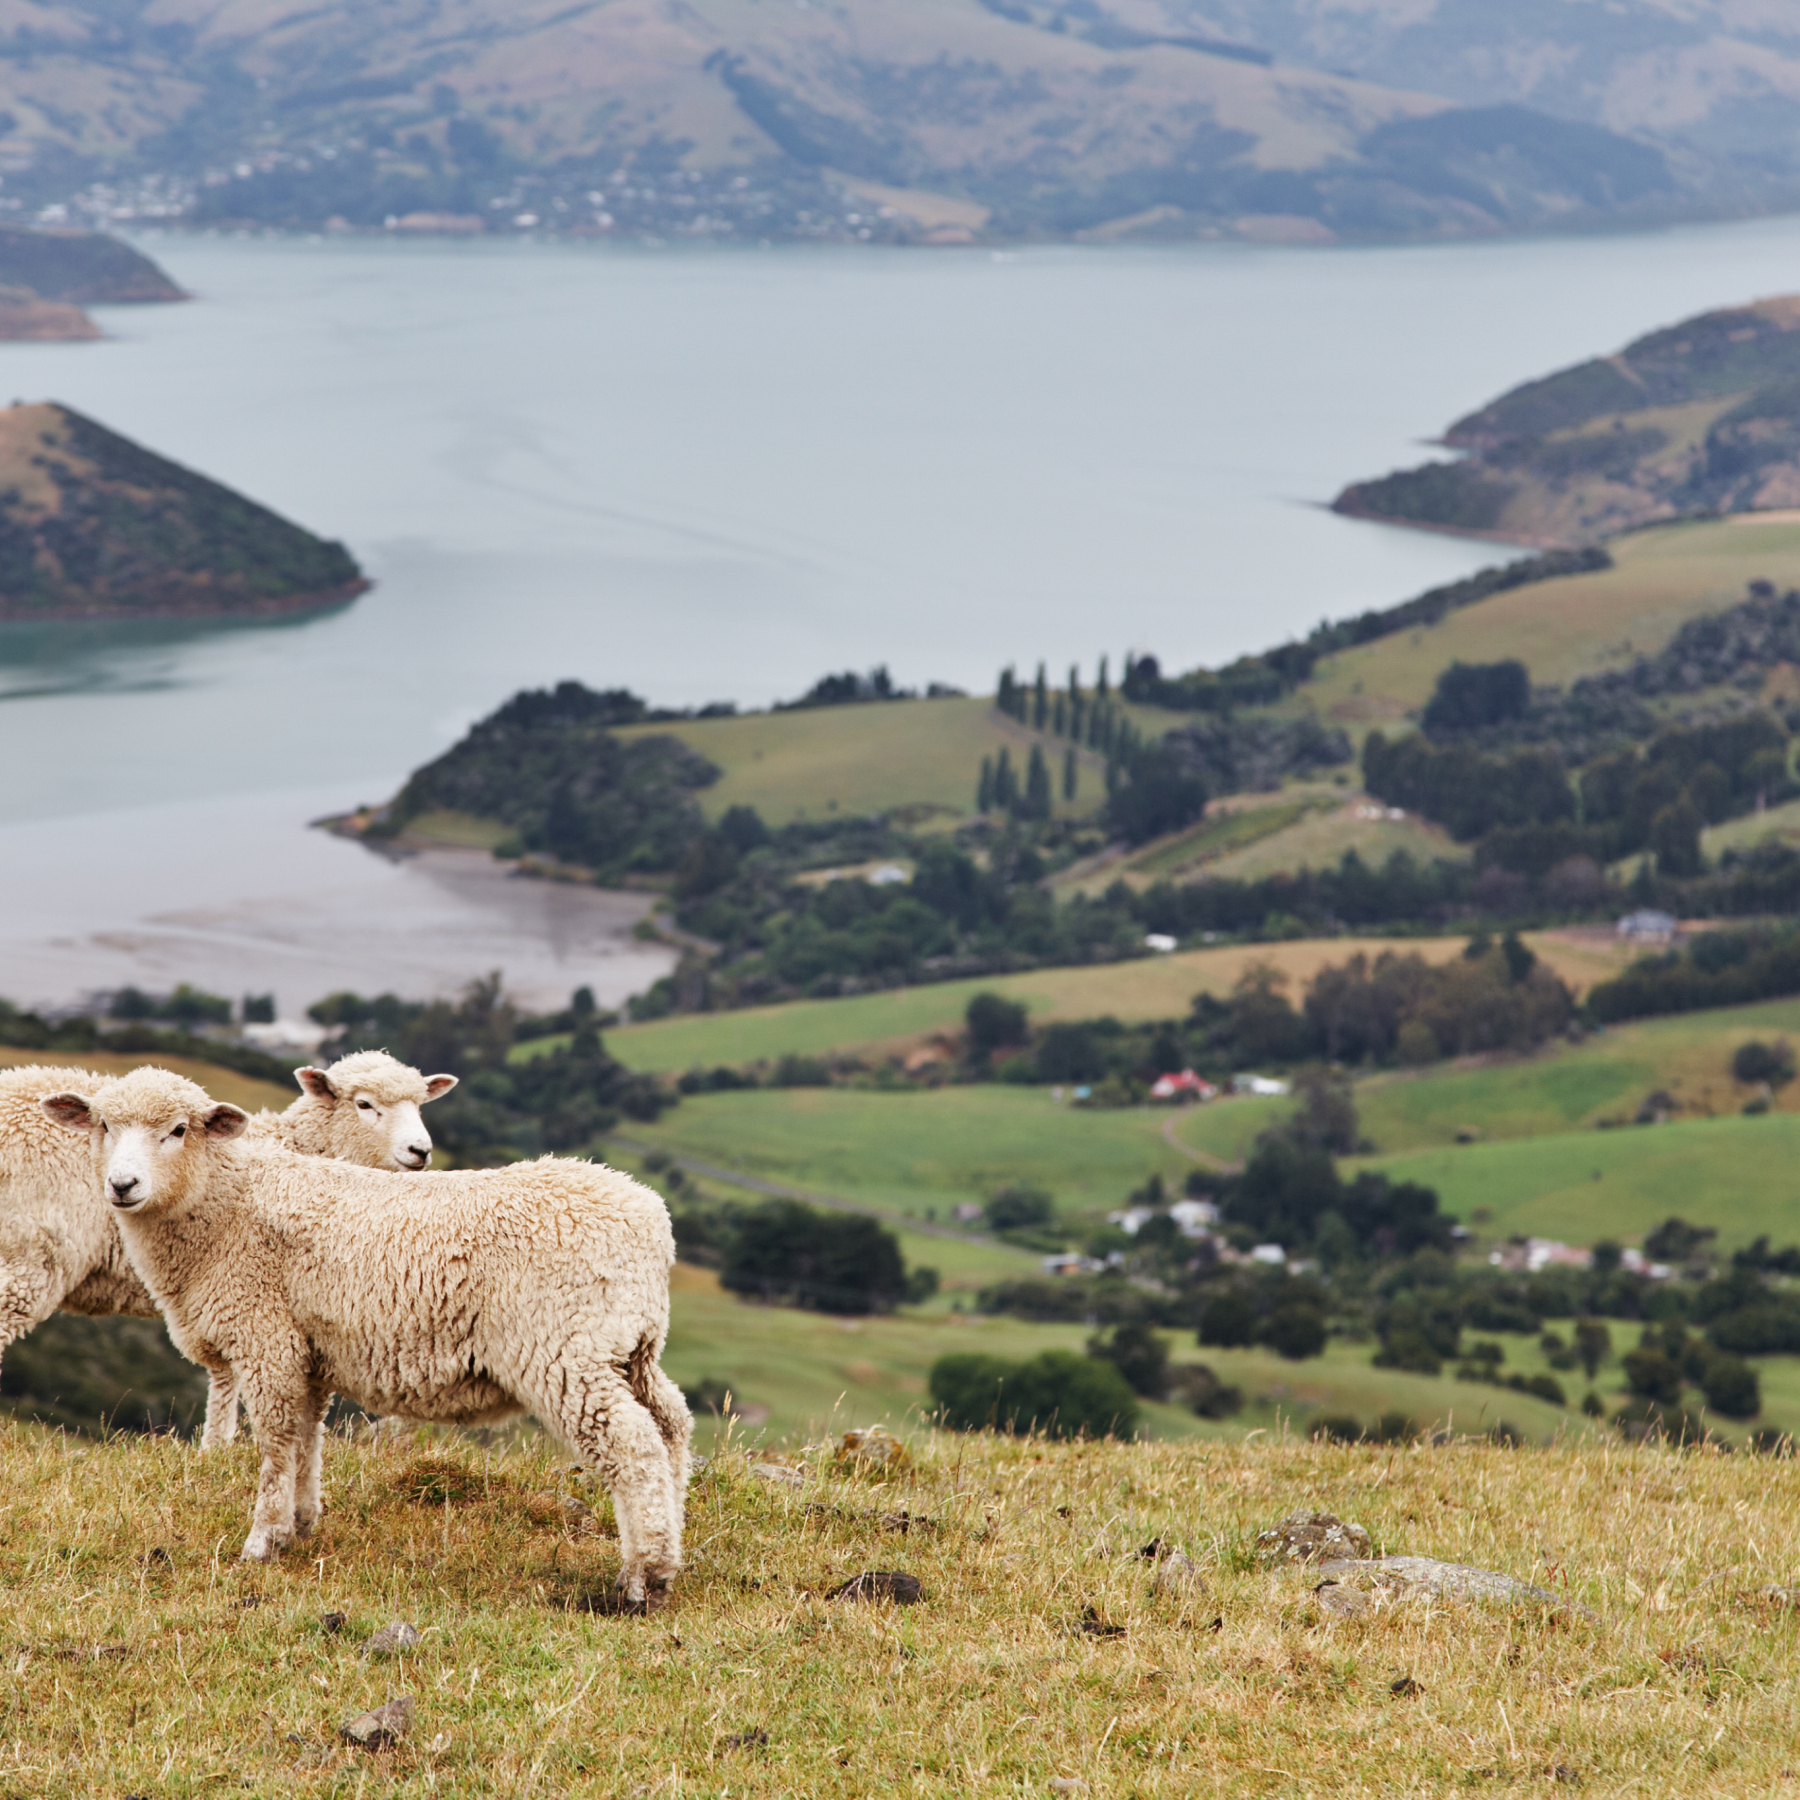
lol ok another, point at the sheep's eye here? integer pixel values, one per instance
(366, 1105)
(179, 1131)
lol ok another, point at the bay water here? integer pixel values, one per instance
(708, 475)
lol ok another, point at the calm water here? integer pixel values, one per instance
(718, 474)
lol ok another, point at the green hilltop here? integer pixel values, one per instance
(93, 526)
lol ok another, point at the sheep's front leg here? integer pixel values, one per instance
(275, 1392)
(221, 1408)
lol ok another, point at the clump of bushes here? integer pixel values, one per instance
(1057, 1393)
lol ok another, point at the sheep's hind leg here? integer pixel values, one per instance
(600, 1419)
(310, 1460)
(669, 1408)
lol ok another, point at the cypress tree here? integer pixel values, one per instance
(1040, 700)
(1074, 686)
(984, 789)
(1059, 716)
(1100, 692)
(1037, 785)
(1006, 785)
(1071, 772)
(1077, 718)
(1004, 698)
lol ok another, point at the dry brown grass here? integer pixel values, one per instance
(222, 1084)
(210, 1677)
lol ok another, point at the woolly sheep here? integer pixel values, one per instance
(60, 1251)
(452, 1298)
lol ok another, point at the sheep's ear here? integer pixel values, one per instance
(437, 1086)
(69, 1110)
(316, 1083)
(226, 1121)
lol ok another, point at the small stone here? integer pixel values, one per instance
(1340, 1602)
(1403, 1687)
(1406, 1577)
(392, 1639)
(778, 1474)
(330, 1623)
(758, 1739)
(881, 1584)
(1176, 1571)
(382, 1728)
(1090, 1624)
(876, 1447)
(1311, 1537)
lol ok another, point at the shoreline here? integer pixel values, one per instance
(321, 600)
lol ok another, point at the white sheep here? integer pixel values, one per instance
(454, 1298)
(59, 1251)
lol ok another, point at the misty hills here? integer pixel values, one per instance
(1700, 417)
(1266, 118)
(94, 526)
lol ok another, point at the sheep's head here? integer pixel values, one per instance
(371, 1107)
(148, 1129)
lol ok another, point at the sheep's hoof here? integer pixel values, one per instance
(262, 1546)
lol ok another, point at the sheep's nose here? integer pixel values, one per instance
(419, 1154)
(123, 1184)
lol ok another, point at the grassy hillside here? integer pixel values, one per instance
(1153, 987)
(87, 268)
(94, 526)
(147, 1661)
(1697, 417)
(222, 1084)
(1571, 627)
(922, 1153)
(814, 1374)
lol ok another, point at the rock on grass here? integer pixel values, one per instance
(881, 1584)
(381, 1729)
(1311, 1537)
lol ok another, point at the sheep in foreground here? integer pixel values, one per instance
(452, 1298)
(58, 1250)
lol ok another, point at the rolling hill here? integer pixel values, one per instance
(94, 526)
(1700, 417)
(734, 117)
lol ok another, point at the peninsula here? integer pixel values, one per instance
(1698, 418)
(93, 526)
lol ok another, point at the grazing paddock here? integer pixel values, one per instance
(144, 1661)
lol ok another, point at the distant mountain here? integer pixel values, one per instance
(94, 526)
(875, 118)
(1703, 417)
(82, 268)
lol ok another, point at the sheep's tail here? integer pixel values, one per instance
(663, 1401)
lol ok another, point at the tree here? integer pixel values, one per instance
(1156, 794)
(1100, 681)
(1472, 696)
(994, 1023)
(1757, 1061)
(743, 829)
(1006, 697)
(1057, 1392)
(1139, 1354)
(1018, 1207)
(1228, 1322)
(1675, 839)
(830, 1262)
(1071, 773)
(984, 787)
(1006, 783)
(1731, 1386)
(1295, 1331)
(1040, 700)
(1037, 799)
(1653, 1374)
(1593, 1345)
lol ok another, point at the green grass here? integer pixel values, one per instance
(1568, 628)
(1322, 840)
(144, 1660)
(848, 761)
(915, 1153)
(1151, 987)
(1736, 1174)
(814, 1374)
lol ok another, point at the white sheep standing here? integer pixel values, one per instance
(452, 1298)
(60, 1251)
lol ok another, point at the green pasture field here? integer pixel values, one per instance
(1562, 629)
(1151, 987)
(923, 1153)
(1322, 839)
(1734, 1173)
(1781, 822)
(815, 1374)
(855, 760)
(144, 1659)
